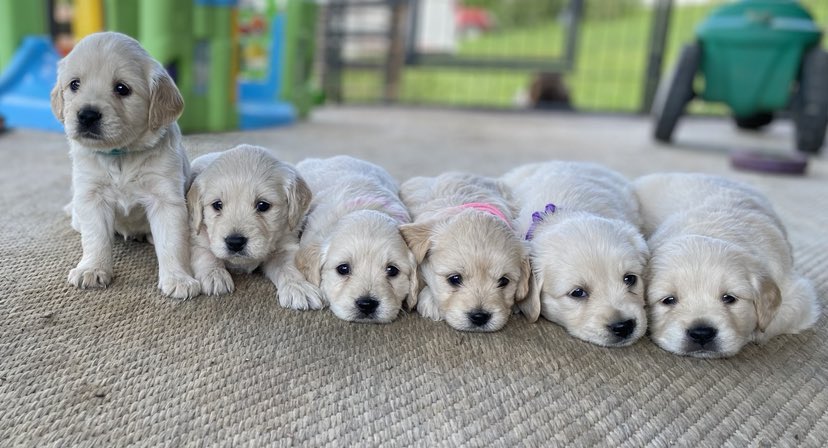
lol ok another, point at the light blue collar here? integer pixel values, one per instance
(113, 152)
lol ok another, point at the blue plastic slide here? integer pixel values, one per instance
(258, 104)
(25, 85)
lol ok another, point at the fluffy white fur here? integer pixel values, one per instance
(351, 244)
(473, 266)
(721, 273)
(129, 170)
(588, 256)
(246, 208)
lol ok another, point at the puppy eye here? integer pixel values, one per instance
(262, 206)
(728, 299)
(343, 269)
(669, 301)
(630, 279)
(502, 282)
(217, 205)
(578, 293)
(122, 89)
(74, 85)
(455, 279)
(392, 271)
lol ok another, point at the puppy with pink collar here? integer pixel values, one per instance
(473, 266)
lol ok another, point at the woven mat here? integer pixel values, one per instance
(125, 366)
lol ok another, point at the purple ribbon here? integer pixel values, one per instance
(538, 217)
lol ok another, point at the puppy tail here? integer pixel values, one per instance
(799, 311)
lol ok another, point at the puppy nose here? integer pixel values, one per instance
(367, 305)
(88, 116)
(235, 242)
(702, 334)
(479, 317)
(622, 328)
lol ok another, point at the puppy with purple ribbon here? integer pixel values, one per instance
(351, 246)
(473, 266)
(587, 252)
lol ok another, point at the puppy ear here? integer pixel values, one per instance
(418, 238)
(309, 262)
(194, 206)
(166, 103)
(57, 101)
(298, 198)
(530, 305)
(413, 282)
(767, 301)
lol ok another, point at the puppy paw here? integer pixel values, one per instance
(427, 305)
(90, 277)
(300, 295)
(179, 286)
(217, 282)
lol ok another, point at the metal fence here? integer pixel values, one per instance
(597, 55)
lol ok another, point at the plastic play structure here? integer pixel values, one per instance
(758, 57)
(196, 40)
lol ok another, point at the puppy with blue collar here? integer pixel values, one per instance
(129, 170)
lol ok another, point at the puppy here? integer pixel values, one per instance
(473, 266)
(587, 253)
(129, 170)
(351, 244)
(721, 273)
(246, 208)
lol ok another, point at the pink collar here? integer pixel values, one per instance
(489, 208)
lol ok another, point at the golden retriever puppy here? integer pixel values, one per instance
(473, 266)
(246, 208)
(587, 253)
(129, 170)
(721, 273)
(351, 244)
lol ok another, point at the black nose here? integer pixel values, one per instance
(622, 328)
(702, 334)
(88, 116)
(367, 305)
(479, 317)
(235, 242)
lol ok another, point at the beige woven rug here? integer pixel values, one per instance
(125, 366)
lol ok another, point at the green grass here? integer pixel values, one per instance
(608, 75)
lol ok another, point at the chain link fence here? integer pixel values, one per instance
(593, 55)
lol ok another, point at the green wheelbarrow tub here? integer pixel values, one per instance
(752, 52)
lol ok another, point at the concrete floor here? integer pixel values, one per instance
(425, 142)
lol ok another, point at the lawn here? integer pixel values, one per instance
(608, 75)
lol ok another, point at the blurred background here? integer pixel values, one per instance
(252, 63)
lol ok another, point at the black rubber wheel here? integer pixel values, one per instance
(754, 122)
(674, 92)
(810, 105)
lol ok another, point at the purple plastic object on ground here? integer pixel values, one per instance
(765, 162)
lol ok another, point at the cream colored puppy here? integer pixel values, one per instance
(721, 273)
(473, 266)
(129, 170)
(587, 253)
(351, 244)
(246, 208)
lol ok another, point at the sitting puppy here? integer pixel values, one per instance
(351, 244)
(721, 273)
(581, 221)
(246, 208)
(129, 170)
(472, 262)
